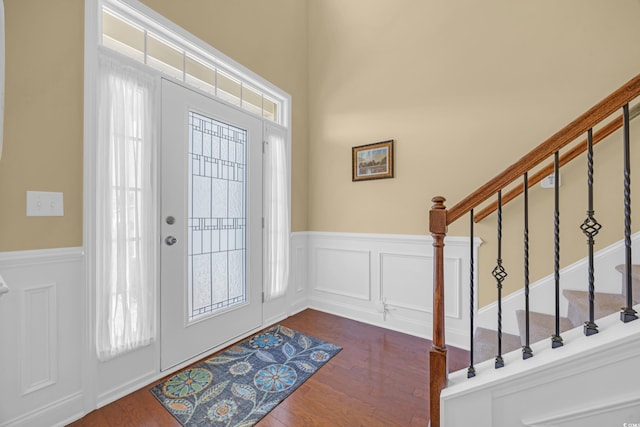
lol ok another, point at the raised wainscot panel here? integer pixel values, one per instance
(406, 281)
(299, 269)
(343, 272)
(39, 337)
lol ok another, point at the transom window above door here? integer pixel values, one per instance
(126, 31)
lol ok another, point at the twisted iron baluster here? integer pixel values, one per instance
(556, 339)
(471, 372)
(526, 349)
(590, 227)
(627, 314)
(500, 274)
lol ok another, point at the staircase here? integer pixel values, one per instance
(542, 326)
(605, 360)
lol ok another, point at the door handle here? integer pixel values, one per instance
(170, 240)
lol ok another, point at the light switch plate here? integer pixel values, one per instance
(44, 203)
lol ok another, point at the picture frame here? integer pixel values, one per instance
(372, 161)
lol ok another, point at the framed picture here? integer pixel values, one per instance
(372, 161)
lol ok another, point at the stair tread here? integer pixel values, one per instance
(541, 326)
(603, 304)
(486, 344)
(635, 270)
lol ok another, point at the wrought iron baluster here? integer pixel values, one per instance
(556, 339)
(526, 349)
(590, 227)
(500, 274)
(471, 372)
(628, 313)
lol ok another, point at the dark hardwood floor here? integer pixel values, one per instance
(380, 378)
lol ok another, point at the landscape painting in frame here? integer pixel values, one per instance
(372, 161)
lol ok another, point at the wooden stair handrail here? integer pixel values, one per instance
(574, 152)
(560, 139)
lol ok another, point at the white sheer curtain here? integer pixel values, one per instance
(276, 214)
(126, 208)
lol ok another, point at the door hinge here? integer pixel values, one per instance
(263, 297)
(262, 222)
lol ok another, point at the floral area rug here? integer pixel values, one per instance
(242, 384)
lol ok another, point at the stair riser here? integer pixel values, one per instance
(635, 289)
(575, 315)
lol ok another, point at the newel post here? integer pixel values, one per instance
(438, 355)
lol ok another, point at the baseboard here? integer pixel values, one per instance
(128, 388)
(455, 338)
(66, 409)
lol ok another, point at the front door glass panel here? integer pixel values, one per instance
(217, 216)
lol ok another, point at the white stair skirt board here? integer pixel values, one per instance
(594, 375)
(574, 277)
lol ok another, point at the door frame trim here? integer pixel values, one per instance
(92, 370)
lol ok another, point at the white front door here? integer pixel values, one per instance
(211, 224)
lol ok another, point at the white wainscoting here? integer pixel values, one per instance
(387, 280)
(40, 337)
(48, 366)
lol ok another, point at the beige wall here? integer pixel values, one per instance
(465, 88)
(43, 121)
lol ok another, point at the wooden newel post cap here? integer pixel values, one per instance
(438, 216)
(438, 202)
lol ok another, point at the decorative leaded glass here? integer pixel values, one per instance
(216, 254)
